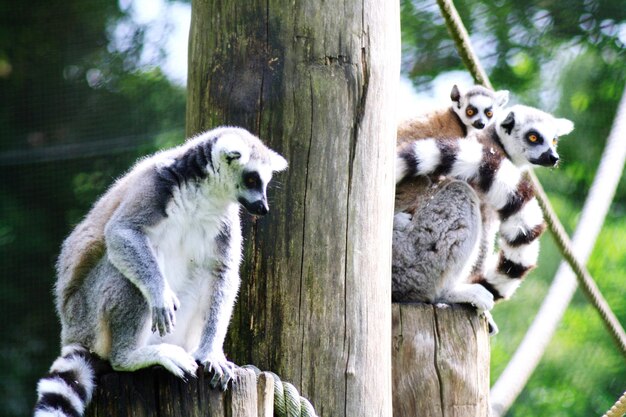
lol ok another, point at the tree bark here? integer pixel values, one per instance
(316, 80)
(440, 361)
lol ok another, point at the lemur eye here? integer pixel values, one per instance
(489, 113)
(555, 141)
(251, 180)
(533, 138)
(469, 112)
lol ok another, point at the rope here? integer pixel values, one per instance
(619, 409)
(586, 282)
(462, 42)
(287, 399)
(461, 38)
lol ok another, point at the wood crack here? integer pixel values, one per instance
(437, 342)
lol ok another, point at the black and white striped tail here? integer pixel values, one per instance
(67, 389)
(519, 250)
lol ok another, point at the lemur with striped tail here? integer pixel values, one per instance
(435, 250)
(151, 274)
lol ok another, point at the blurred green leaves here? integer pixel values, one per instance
(77, 113)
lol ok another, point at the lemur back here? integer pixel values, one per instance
(150, 276)
(85, 245)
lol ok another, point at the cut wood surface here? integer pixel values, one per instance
(440, 361)
(155, 392)
(316, 80)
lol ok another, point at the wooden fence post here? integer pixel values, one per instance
(440, 361)
(155, 392)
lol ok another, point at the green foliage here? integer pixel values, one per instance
(568, 58)
(77, 114)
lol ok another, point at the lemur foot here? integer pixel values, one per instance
(474, 294)
(223, 370)
(177, 361)
(171, 357)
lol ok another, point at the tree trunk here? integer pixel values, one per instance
(316, 80)
(440, 361)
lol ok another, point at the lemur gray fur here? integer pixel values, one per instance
(435, 249)
(151, 274)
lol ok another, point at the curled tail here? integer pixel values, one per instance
(67, 389)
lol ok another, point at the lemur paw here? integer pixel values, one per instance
(176, 360)
(481, 298)
(163, 313)
(223, 370)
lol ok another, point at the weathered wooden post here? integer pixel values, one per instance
(440, 361)
(316, 80)
(155, 392)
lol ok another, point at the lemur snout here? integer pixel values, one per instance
(478, 124)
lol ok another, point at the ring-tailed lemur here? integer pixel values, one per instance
(434, 252)
(151, 274)
(469, 111)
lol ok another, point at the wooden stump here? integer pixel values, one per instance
(440, 361)
(155, 392)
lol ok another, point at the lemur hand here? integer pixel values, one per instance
(163, 313)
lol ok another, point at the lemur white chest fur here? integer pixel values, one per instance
(179, 240)
(180, 246)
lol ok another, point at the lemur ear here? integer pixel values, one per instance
(508, 123)
(502, 97)
(232, 148)
(278, 162)
(564, 126)
(232, 155)
(455, 94)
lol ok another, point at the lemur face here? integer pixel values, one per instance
(247, 164)
(531, 136)
(252, 188)
(478, 106)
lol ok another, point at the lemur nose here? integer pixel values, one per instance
(554, 159)
(259, 208)
(478, 124)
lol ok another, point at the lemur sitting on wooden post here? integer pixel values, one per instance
(151, 274)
